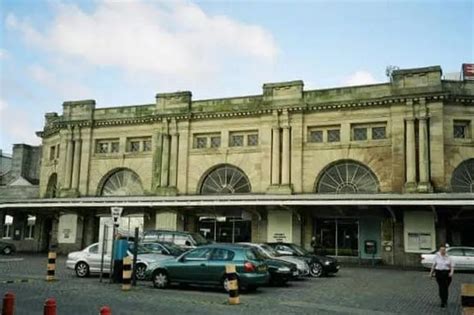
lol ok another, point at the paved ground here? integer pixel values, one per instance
(352, 291)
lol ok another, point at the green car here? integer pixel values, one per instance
(205, 265)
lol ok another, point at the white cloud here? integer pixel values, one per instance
(65, 87)
(3, 53)
(158, 38)
(359, 78)
(16, 126)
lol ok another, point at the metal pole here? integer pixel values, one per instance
(112, 255)
(135, 254)
(104, 240)
(233, 230)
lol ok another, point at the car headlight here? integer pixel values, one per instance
(327, 262)
(284, 269)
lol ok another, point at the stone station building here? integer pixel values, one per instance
(391, 163)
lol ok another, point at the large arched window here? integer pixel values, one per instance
(347, 177)
(122, 182)
(52, 188)
(463, 177)
(225, 179)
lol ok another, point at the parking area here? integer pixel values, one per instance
(352, 291)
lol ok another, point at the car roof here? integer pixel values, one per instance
(226, 245)
(169, 231)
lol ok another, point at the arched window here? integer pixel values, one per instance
(52, 188)
(123, 182)
(225, 179)
(463, 177)
(347, 177)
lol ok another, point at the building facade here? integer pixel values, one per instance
(389, 163)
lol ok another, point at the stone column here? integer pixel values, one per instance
(276, 156)
(165, 160)
(410, 153)
(68, 163)
(423, 147)
(285, 161)
(174, 160)
(77, 163)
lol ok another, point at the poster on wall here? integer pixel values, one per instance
(280, 226)
(67, 228)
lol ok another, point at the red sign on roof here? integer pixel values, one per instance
(468, 71)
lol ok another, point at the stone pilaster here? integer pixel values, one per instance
(424, 167)
(410, 184)
(165, 161)
(285, 161)
(173, 172)
(68, 162)
(276, 156)
(76, 164)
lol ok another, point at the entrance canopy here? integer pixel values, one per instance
(447, 199)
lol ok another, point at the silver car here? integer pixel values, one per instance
(463, 258)
(88, 261)
(301, 265)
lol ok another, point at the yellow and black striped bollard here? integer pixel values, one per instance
(233, 284)
(51, 266)
(127, 273)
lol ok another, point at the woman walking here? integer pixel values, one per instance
(443, 269)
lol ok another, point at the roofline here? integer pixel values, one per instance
(445, 199)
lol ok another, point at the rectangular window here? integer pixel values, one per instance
(134, 146)
(461, 129)
(147, 145)
(206, 140)
(52, 152)
(7, 227)
(252, 139)
(57, 151)
(102, 147)
(359, 134)
(316, 136)
(236, 141)
(215, 142)
(334, 135)
(114, 147)
(201, 142)
(378, 133)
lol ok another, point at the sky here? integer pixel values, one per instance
(124, 52)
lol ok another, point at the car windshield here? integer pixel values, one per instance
(270, 250)
(254, 254)
(299, 250)
(200, 240)
(173, 249)
(140, 249)
(262, 253)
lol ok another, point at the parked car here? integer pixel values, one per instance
(88, 261)
(164, 248)
(463, 258)
(185, 240)
(280, 271)
(7, 248)
(205, 265)
(318, 265)
(301, 264)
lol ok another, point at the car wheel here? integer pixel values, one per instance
(82, 269)
(160, 279)
(316, 270)
(7, 250)
(140, 272)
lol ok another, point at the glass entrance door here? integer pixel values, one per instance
(337, 237)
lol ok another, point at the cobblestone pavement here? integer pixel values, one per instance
(352, 291)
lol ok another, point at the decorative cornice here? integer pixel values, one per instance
(59, 124)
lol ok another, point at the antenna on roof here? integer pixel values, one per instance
(389, 70)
